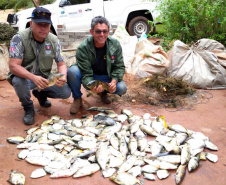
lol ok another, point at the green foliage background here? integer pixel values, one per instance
(6, 33)
(190, 20)
(18, 4)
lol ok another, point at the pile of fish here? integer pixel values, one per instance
(116, 144)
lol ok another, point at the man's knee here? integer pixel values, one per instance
(19, 82)
(66, 92)
(73, 72)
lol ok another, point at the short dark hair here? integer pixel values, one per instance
(99, 19)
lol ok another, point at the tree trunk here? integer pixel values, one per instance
(36, 3)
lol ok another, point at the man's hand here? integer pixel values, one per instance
(60, 82)
(40, 82)
(112, 86)
(97, 89)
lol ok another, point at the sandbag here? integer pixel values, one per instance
(215, 47)
(149, 59)
(128, 44)
(197, 66)
(4, 61)
(209, 44)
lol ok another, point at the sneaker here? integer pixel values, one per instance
(42, 98)
(29, 117)
(105, 98)
(75, 106)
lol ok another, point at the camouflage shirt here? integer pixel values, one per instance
(17, 51)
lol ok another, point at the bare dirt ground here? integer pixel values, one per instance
(208, 118)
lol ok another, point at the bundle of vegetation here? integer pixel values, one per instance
(6, 33)
(159, 90)
(193, 20)
(168, 87)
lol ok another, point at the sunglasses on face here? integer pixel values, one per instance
(39, 14)
(103, 31)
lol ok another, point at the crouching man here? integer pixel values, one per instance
(99, 57)
(32, 52)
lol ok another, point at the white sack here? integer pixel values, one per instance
(198, 67)
(215, 47)
(128, 44)
(4, 61)
(149, 59)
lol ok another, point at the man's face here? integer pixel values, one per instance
(100, 34)
(40, 30)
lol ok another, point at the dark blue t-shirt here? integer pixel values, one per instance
(100, 66)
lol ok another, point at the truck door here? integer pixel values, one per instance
(75, 15)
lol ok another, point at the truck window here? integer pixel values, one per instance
(74, 2)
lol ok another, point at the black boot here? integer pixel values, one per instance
(42, 98)
(29, 116)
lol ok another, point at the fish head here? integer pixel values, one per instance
(92, 84)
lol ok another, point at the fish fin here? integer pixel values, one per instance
(141, 181)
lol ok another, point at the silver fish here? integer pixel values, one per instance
(212, 157)
(193, 163)
(210, 145)
(132, 144)
(185, 155)
(175, 159)
(15, 139)
(121, 118)
(114, 141)
(41, 161)
(135, 171)
(162, 174)
(142, 143)
(181, 137)
(23, 154)
(63, 173)
(108, 172)
(161, 164)
(135, 126)
(87, 170)
(115, 161)
(149, 176)
(104, 120)
(177, 128)
(180, 174)
(123, 147)
(156, 148)
(16, 178)
(127, 164)
(149, 169)
(102, 156)
(126, 178)
(127, 112)
(40, 172)
(150, 131)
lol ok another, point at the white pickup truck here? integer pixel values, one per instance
(76, 15)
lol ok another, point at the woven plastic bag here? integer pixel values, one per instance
(197, 66)
(128, 44)
(4, 61)
(149, 59)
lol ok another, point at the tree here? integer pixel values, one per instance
(36, 3)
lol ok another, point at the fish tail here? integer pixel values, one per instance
(141, 181)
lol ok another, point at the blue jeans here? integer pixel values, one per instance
(23, 86)
(74, 79)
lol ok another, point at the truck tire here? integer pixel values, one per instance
(138, 25)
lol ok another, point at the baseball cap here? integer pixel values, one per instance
(40, 15)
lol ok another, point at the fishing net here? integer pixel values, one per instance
(161, 91)
(157, 91)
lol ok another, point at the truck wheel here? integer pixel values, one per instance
(138, 25)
